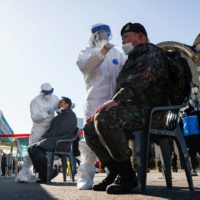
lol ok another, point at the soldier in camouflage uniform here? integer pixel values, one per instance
(141, 85)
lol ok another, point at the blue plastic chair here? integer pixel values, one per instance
(160, 137)
(63, 155)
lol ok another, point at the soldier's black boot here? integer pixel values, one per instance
(109, 179)
(125, 181)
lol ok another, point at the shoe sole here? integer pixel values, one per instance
(125, 191)
(23, 181)
(20, 181)
(103, 190)
(118, 192)
(42, 183)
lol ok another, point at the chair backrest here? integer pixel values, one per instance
(75, 146)
(172, 119)
(67, 141)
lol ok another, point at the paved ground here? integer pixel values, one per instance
(58, 190)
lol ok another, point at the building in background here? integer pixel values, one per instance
(23, 144)
(192, 54)
(80, 127)
(8, 145)
(80, 123)
(5, 128)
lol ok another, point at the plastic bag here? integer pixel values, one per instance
(86, 169)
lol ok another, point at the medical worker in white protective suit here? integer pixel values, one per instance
(100, 64)
(42, 109)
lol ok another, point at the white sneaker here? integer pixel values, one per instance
(193, 173)
(21, 179)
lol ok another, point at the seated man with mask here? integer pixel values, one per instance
(141, 84)
(62, 127)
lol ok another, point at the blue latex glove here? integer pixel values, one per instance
(50, 111)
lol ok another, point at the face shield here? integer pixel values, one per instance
(100, 35)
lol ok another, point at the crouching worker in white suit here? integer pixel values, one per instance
(42, 109)
(100, 64)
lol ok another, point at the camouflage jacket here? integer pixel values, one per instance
(144, 79)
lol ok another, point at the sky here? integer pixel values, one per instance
(40, 41)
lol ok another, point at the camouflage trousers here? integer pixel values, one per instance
(107, 135)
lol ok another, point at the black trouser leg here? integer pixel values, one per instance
(38, 157)
(192, 154)
(3, 168)
(93, 141)
(193, 161)
(174, 165)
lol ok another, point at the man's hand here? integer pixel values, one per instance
(106, 106)
(41, 139)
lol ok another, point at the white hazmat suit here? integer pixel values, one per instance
(42, 110)
(100, 73)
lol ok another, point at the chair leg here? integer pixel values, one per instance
(183, 150)
(64, 167)
(50, 158)
(141, 145)
(165, 159)
(72, 164)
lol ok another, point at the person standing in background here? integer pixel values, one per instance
(174, 161)
(3, 164)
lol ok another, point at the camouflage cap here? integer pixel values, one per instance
(135, 27)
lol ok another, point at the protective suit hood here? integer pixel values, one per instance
(95, 29)
(46, 89)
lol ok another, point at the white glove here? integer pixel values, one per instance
(106, 48)
(50, 111)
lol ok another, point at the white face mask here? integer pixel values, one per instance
(128, 47)
(47, 96)
(60, 110)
